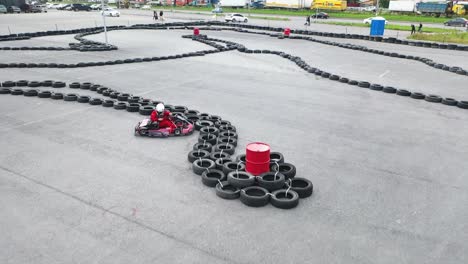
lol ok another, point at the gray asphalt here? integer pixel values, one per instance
(389, 172)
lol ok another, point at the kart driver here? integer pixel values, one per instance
(162, 117)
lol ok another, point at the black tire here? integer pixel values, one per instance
(389, 89)
(133, 107)
(364, 84)
(449, 101)
(34, 84)
(276, 156)
(94, 87)
(463, 104)
(240, 179)
(241, 157)
(376, 87)
(85, 86)
(218, 155)
(201, 165)
(433, 98)
(271, 180)
(207, 138)
(59, 84)
(402, 92)
(343, 80)
(225, 147)
(16, 92)
(44, 94)
(197, 154)
(222, 123)
(227, 128)
(221, 161)
(95, 101)
(203, 146)
(108, 103)
(417, 96)
(70, 97)
(233, 166)
(228, 133)
(287, 169)
(334, 77)
(209, 130)
(47, 83)
(146, 110)
(302, 186)
(57, 96)
(284, 199)
(102, 90)
(114, 95)
(202, 123)
(31, 92)
(120, 105)
(255, 196)
(224, 140)
(211, 178)
(133, 99)
(325, 74)
(5, 91)
(352, 82)
(179, 109)
(22, 83)
(226, 191)
(8, 84)
(123, 97)
(83, 99)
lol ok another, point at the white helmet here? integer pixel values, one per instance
(160, 108)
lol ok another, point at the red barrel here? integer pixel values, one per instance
(257, 158)
(287, 31)
(196, 31)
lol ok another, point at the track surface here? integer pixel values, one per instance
(389, 172)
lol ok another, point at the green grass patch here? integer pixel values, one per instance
(391, 27)
(454, 37)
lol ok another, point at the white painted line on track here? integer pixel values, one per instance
(383, 74)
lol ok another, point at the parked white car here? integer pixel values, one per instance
(110, 12)
(98, 7)
(369, 20)
(236, 18)
(146, 7)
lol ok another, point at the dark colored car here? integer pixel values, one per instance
(321, 15)
(63, 7)
(14, 9)
(457, 22)
(80, 7)
(30, 8)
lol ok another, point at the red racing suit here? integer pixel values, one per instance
(164, 120)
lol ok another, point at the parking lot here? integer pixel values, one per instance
(389, 172)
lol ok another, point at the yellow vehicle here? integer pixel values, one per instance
(329, 5)
(459, 9)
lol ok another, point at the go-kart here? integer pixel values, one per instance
(151, 129)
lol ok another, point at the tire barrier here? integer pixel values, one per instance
(211, 156)
(88, 45)
(212, 162)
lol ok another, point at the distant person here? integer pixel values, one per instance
(307, 21)
(413, 29)
(155, 15)
(420, 28)
(161, 13)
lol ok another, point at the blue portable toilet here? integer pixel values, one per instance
(377, 27)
